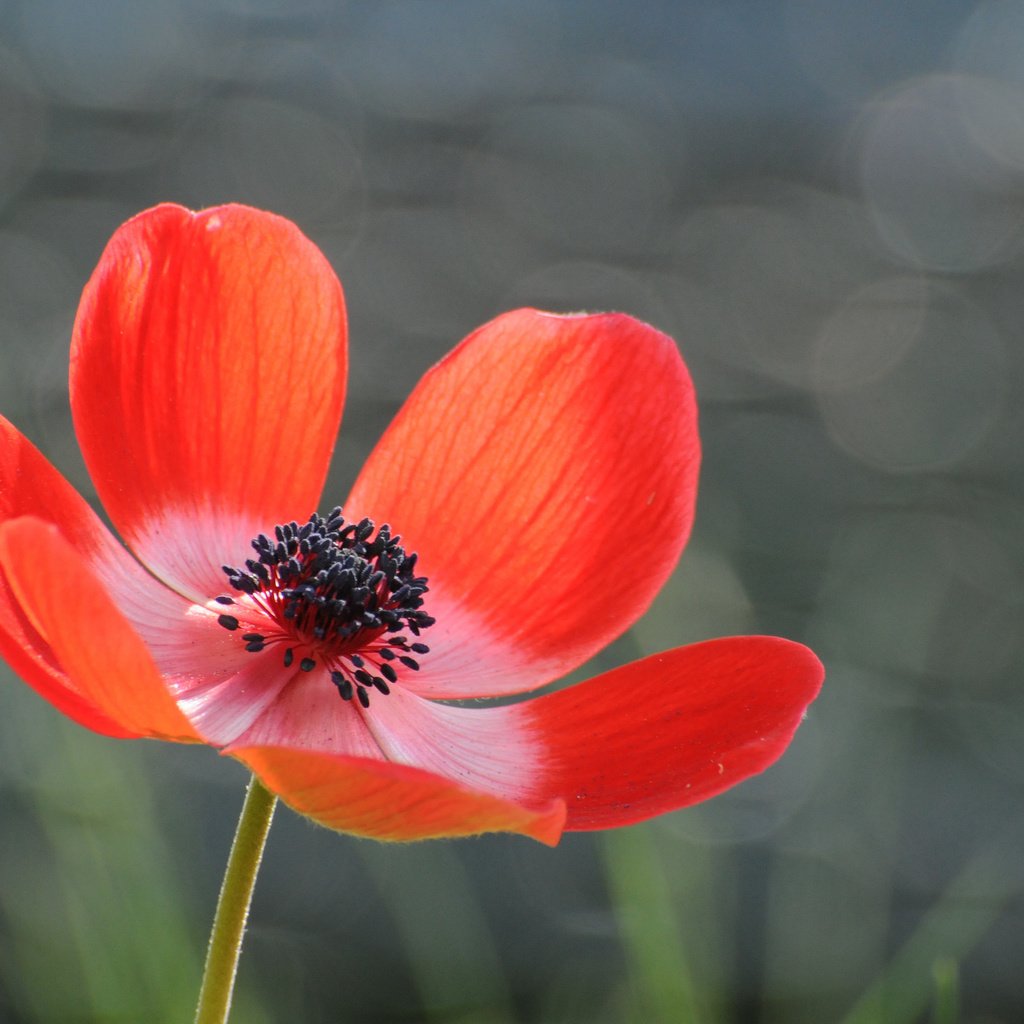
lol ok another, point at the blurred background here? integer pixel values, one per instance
(824, 203)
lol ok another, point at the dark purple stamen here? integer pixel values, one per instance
(347, 590)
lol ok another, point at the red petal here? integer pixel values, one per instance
(29, 485)
(654, 736)
(673, 729)
(207, 379)
(389, 801)
(546, 473)
(103, 658)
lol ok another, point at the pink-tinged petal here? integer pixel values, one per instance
(656, 735)
(309, 714)
(388, 801)
(102, 657)
(482, 749)
(30, 485)
(671, 730)
(489, 749)
(653, 736)
(208, 370)
(545, 472)
(223, 695)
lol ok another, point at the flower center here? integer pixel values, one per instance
(337, 595)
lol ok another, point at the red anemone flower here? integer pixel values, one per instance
(538, 487)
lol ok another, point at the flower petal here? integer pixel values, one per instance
(207, 379)
(671, 730)
(223, 701)
(545, 472)
(30, 485)
(388, 801)
(659, 734)
(486, 749)
(481, 749)
(32, 659)
(267, 706)
(104, 659)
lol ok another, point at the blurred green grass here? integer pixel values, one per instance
(98, 918)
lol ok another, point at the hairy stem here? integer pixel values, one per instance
(233, 905)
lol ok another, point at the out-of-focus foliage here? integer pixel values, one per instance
(824, 203)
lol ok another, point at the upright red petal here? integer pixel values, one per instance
(208, 371)
(545, 472)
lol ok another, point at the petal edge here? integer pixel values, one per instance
(392, 802)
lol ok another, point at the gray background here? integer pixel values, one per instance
(823, 203)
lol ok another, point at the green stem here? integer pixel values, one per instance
(233, 904)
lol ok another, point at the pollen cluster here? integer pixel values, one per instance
(342, 595)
